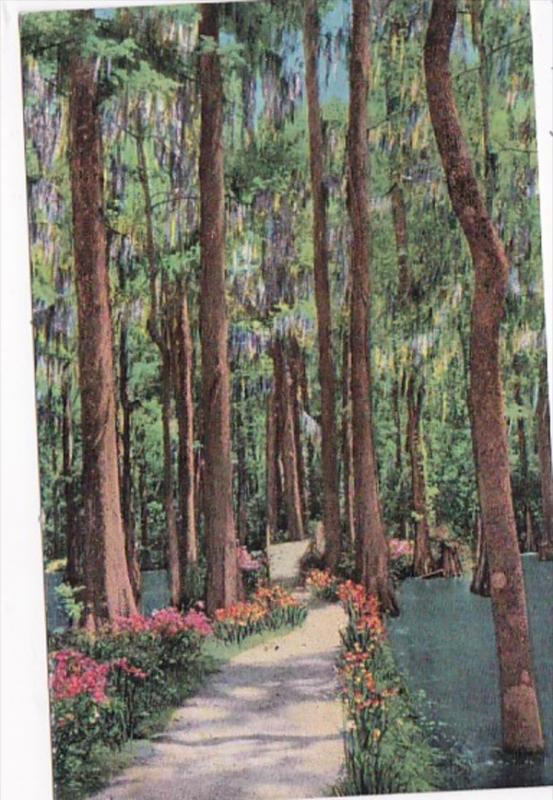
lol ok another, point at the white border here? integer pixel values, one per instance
(25, 747)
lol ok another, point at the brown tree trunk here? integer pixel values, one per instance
(73, 571)
(520, 713)
(297, 372)
(545, 548)
(481, 576)
(242, 476)
(160, 334)
(126, 473)
(372, 558)
(292, 491)
(108, 588)
(347, 444)
(146, 560)
(331, 498)
(222, 572)
(422, 560)
(173, 544)
(450, 562)
(182, 351)
(271, 467)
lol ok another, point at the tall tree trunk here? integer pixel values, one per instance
(347, 436)
(297, 375)
(331, 497)
(292, 490)
(173, 544)
(160, 332)
(242, 475)
(146, 561)
(222, 571)
(545, 548)
(520, 713)
(372, 558)
(271, 467)
(182, 351)
(126, 468)
(73, 571)
(108, 588)
(423, 563)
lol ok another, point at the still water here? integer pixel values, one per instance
(444, 645)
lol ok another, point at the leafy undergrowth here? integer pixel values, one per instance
(112, 691)
(389, 745)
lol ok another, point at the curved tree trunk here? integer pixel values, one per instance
(545, 547)
(108, 589)
(422, 560)
(520, 713)
(222, 569)
(372, 558)
(331, 499)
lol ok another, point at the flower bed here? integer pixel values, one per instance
(270, 608)
(322, 585)
(387, 748)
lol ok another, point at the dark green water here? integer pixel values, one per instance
(444, 645)
(155, 594)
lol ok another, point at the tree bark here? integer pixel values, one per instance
(331, 498)
(372, 558)
(182, 351)
(108, 588)
(347, 436)
(545, 547)
(520, 713)
(288, 454)
(422, 560)
(146, 558)
(271, 468)
(73, 571)
(222, 571)
(126, 473)
(297, 375)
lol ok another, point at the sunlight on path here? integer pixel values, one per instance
(267, 727)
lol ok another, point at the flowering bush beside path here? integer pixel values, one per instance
(105, 688)
(387, 749)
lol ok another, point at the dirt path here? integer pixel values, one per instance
(268, 726)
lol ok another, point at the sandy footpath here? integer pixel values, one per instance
(267, 726)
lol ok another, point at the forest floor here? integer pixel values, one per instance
(267, 726)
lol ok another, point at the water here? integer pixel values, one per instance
(155, 594)
(444, 644)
